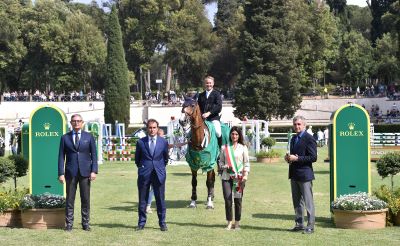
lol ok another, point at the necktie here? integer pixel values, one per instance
(76, 140)
(296, 140)
(152, 146)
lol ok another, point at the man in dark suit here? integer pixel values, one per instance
(151, 157)
(303, 152)
(210, 104)
(78, 153)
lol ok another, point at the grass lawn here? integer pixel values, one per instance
(267, 213)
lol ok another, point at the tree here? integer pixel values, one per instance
(378, 9)
(46, 38)
(356, 58)
(117, 96)
(391, 20)
(324, 43)
(269, 51)
(144, 25)
(360, 20)
(228, 25)
(190, 42)
(86, 46)
(337, 6)
(387, 64)
(12, 49)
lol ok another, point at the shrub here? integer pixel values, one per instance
(358, 201)
(269, 154)
(7, 169)
(132, 141)
(392, 198)
(45, 200)
(137, 95)
(268, 141)
(11, 199)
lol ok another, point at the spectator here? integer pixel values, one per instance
(326, 135)
(320, 138)
(309, 131)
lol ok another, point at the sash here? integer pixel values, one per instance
(235, 170)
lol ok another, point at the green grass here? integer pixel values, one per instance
(267, 213)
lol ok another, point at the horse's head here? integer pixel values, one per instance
(188, 108)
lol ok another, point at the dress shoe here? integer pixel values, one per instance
(68, 228)
(87, 228)
(164, 228)
(237, 225)
(139, 228)
(308, 231)
(297, 228)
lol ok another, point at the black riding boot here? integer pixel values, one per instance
(219, 166)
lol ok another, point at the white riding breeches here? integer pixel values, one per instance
(217, 126)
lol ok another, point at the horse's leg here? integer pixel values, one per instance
(194, 193)
(210, 188)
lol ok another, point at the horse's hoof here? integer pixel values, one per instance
(192, 205)
(210, 207)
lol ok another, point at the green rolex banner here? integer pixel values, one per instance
(46, 126)
(350, 146)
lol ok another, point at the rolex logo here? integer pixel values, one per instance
(351, 126)
(46, 126)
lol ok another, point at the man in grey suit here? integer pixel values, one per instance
(77, 164)
(303, 152)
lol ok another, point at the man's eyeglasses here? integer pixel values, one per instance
(76, 121)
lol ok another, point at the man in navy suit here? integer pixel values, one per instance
(151, 157)
(210, 104)
(78, 153)
(303, 152)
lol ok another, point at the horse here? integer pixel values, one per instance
(203, 149)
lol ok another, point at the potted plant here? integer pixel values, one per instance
(359, 211)
(388, 166)
(268, 156)
(10, 215)
(43, 211)
(268, 142)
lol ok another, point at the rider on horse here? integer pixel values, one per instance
(210, 104)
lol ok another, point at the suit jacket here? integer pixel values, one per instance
(212, 104)
(306, 149)
(82, 160)
(146, 162)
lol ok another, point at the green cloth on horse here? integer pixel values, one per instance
(207, 158)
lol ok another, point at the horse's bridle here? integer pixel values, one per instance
(191, 116)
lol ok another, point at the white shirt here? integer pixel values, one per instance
(208, 93)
